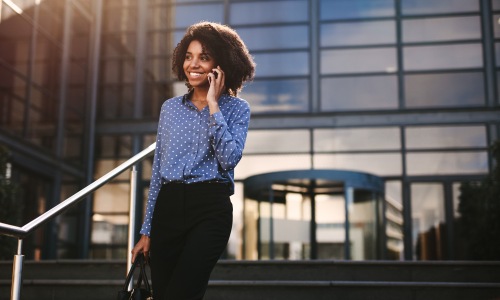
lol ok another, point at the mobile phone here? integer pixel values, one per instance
(215, 74)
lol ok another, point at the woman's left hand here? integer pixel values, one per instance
(216, 89)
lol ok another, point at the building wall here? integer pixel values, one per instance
(404, 89)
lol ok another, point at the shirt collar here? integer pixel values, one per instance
(185, 99)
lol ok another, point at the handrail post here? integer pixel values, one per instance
(17, 272)
(131, 224)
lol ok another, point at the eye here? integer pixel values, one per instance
(205, 57)
(187, 57)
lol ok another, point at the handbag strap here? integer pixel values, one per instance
(143, 276)
(138, 261)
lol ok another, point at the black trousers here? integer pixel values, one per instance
(190, 230)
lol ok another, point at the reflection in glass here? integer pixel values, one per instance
(496, 25)
(256, 164)
(120, 18)
(15, 34)
(381, 164)
(359, 92)
(360, 33)
(282, 64)
(186, 15)
(352, 139)
(497, 54)
(443, 57)
(277, 141)
(287, 95)
(445, 137)
(441, 90)
(268, 12)
(441, 163)
(330, 227)
(275, 37)
(495, 4)
(348, 9)
(441, 29)
(428, 221)
(411, 7)
(363, 225)
(358, 60)
(394, 220)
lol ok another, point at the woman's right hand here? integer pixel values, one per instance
(142, 246)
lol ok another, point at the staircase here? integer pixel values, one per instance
(275, 280)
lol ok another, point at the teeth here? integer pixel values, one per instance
(195, 74)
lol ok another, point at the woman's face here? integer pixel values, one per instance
(197, 64)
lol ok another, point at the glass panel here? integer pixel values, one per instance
(348, 9)
(256, 164)
(269, 96)
(441, 29)
(497, 54)
(351, 139)
(358, 60)
(159, 43)
(119, 18)
(282, 64)
(277, 141)
(456, 199)
(496, 25)
(159, 17)
(428, 221)
(46, 65)
(12, 101)
(495, 4)
(437, 90)
(275, 37)
(360, 92)
(251, 229)
(363, 225)
(360, 33)
(50, 19)
(268, 12)
(445, 137)
(185, 15)
(443, 57)
(382, 164)
(112, 198)
(15, 36)
(441, 163)
(410, 7)
(330, 226)
(394, 220)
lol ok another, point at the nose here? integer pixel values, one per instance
(194, 63)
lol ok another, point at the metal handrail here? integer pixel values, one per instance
(22, 232)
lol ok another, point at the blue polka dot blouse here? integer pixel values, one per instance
(194, 146)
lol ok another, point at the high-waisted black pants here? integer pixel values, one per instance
(190, 230)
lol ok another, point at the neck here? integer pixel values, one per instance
(199, 95)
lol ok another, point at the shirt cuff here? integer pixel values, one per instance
(216, 118)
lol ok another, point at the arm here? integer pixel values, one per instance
(228, 141)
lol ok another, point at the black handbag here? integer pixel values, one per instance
(138, 292)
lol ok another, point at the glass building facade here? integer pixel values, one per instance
(406, 90)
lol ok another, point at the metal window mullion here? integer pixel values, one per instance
(64, 77)
(29, 74)
(314, 102)
(488, 52)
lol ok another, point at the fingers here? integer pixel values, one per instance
(141, 247)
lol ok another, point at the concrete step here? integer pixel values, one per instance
(274, 280)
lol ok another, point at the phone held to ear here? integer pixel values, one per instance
(210, 79)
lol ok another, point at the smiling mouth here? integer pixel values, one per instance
(195, 75)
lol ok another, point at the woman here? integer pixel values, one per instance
(199, 142)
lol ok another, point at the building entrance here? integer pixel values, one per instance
(314, 214)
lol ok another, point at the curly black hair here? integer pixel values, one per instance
(226, 47)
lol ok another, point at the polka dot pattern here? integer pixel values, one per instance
(194, 146)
